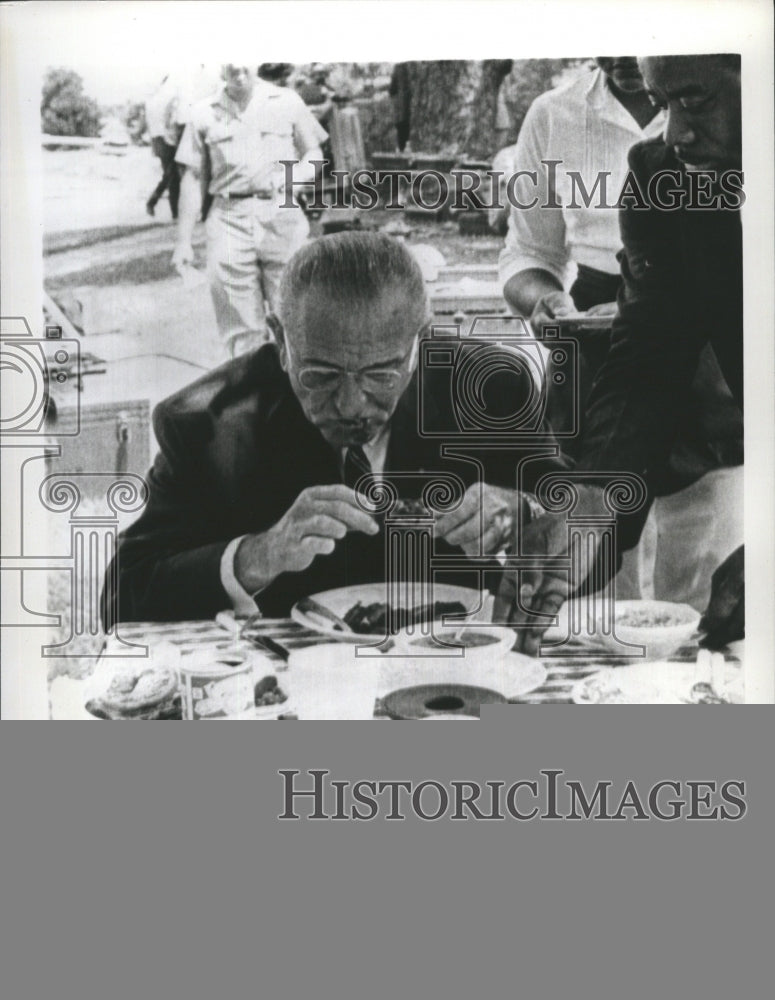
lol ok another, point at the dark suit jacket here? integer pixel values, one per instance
(682, 290)
(235, 452)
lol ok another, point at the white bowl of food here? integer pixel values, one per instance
(478, 642)
(662, 627)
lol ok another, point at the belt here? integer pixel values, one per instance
(239, 195)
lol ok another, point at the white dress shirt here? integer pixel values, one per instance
(584, 126)
(241, 601)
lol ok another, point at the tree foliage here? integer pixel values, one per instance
(64, 108)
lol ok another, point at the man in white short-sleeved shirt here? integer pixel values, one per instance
(584, 127)
(232, 150)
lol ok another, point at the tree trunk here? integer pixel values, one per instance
(453, 107)
(453, 103)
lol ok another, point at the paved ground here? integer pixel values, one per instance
(107, 264)
(98, 186)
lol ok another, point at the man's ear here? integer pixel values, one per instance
(278, 333)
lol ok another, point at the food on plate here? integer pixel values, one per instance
(224, 697)
(600, 690)
(142, 691)
(268, 692)
(704, 694)
(416, 508)
(372, 619)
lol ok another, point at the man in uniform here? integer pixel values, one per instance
(232, 150)
(160, 113)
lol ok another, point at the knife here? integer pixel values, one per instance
(308, 606)
(264, 642)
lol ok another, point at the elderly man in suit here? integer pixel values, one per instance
(251, 500)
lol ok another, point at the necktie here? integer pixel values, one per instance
(355, 465)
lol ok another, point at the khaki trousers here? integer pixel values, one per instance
(249, 241)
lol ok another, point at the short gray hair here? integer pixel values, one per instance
(352, 268)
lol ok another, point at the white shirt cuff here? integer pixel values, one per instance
(241, 601)
(514, 262)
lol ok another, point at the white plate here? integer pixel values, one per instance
(322, 676)
(442, 715)
(341, 600)
(653, 683)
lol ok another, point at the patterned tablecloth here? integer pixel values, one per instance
(563, 671)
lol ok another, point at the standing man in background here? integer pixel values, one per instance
(314, 90)
(161, 113)
(232, 150)
(682, 291)
(588, 127)
(401, 95)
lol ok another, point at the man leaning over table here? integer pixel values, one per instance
(251, 500)
(588, 126)
(231, 150)
(682, 290)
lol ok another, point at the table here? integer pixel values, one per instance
(563, 672)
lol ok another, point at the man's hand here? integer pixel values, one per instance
(548, 308)
(542, 592)
(482, 524)
(603, 309)
(183, 256)
(724, 618)
(319, 517)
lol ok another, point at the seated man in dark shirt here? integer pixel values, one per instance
(251, 500)
(682, 289)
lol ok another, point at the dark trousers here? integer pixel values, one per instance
(402, 133)
(591, 288)
(170, 178)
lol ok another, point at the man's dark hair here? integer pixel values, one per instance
(272, 72)
(352, 268)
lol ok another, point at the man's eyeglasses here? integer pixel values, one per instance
(371, 381)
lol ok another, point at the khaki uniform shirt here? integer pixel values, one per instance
(244, 147)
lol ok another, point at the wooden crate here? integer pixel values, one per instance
(113, 438)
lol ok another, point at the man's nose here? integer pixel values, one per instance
(678, 130)
(350, 398)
